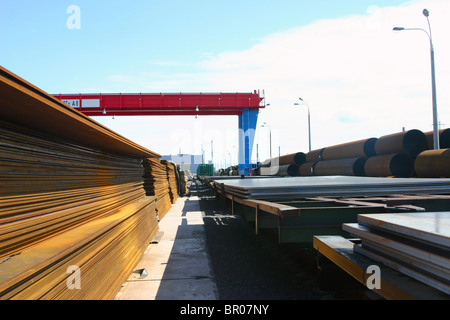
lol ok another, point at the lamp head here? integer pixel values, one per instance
(398, 29)
(426, 13)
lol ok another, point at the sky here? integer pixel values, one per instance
(358, 78)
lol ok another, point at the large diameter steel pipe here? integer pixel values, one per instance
(410, 142)
(297, 158)
(314, 155)
(290, 170)
(433, 164)
(341, 167)
(388, 165)
(356, 149)
(444, 139)
(307, 169)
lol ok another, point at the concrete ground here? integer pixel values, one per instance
(178, 265)
(206, 253)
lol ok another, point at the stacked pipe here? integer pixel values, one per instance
(403, 154)
(230, 171)
(346, 159)
(71, 198)
(395, 154)
(434, 163)
(286, 165)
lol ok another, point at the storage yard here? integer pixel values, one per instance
(80, 204)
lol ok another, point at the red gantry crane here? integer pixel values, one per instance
(244, 105)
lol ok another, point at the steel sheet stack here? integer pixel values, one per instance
(416, 244)
(156, 184)
(172, 179)
(71, 198)
(337, 186)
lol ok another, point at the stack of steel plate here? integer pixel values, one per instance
(71, 198)
(416, 244)
(172, 179)
(156, 184)
(337, 186)
(184, 188)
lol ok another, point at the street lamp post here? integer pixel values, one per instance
(270, 137)
(309, 121)
(426, 13)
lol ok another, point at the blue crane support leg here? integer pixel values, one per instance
(247, 128)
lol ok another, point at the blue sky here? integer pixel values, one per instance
(130, 37)
(359, 78)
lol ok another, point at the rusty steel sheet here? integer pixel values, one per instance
(356, 149)
(71, 193)
(410, 142)
(26, 105)
(97, 247)
(172, 179)
(390, 165)
(340, 167)
(433, 164)
(156, 184)
(444, 139)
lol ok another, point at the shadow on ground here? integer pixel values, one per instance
(247, 266)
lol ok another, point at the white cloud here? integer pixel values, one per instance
(356, 66)
(359, 77)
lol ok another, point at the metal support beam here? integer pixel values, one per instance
(247, 127)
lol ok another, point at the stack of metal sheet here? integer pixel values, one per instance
(336, 186)
(156, 184)
(71, 198)
(416, 244)
(172, 179)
